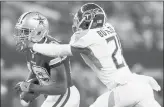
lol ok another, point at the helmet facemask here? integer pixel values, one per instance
(77, 24)
(23, 34)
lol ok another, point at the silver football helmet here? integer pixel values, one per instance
(32, 26)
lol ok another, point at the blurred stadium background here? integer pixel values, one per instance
(139, 25)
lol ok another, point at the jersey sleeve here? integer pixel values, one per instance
(80, 39)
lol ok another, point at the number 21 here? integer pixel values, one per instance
(117, 44)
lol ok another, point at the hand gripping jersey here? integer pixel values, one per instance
(41, 65)
(102, 52)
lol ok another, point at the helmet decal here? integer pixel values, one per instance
(22, 17)
(89, 16)
(40, 19)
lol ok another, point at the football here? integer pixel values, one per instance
(30, 96)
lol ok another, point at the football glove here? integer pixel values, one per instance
(17, 87)
(28, 96)
(25, 85)
(22, 86)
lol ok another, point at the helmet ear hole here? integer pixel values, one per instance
(87, 25)
(39, 33)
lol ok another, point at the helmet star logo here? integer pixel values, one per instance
(40, 19)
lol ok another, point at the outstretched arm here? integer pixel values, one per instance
(58, 50)
(53, 50)
(31, 75)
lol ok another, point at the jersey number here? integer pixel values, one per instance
(117, 46)
(41, 73)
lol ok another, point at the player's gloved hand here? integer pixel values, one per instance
(25, 86)
(17, 87)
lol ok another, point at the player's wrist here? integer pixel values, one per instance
(33, 87)
(30, 87)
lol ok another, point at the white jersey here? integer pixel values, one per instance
(104, 54)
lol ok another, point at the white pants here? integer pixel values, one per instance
(131, 94)
(70, 99)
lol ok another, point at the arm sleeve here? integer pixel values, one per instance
(53, 50)
(76, 50)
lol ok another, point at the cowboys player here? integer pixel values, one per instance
(99, 46)
(56, 84)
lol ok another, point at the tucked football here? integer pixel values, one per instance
(30, 96)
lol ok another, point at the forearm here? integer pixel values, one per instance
(53, 89)
(31, 75)
(53, 50)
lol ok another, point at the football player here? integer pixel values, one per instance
(98, 43)
(55, 84)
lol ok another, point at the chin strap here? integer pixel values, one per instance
(90, 25)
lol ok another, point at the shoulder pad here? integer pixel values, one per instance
(77, 35)
(108, 25)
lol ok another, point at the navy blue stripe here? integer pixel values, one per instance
(68, 95)
(111, 101)
(25, 16)
(58, 101)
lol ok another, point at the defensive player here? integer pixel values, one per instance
(57, 85)
(99, 46)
